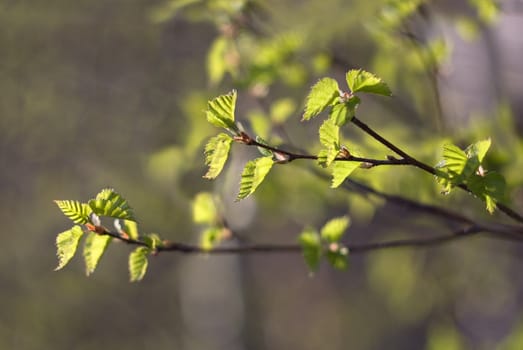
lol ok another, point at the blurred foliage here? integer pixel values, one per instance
(98, 94)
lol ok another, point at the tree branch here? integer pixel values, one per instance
(425, 167)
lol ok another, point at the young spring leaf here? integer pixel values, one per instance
(210, 237)
(337, 256)
(216, 154)
(94, 247)
(138, 263)
(490, 188)
(66, 244)
(253, 175)
(311, 248)
(131, 228)
(204, 209)
(360, 80)
(330, 138)
(264, 151)
(216, 65)
(333, 230)
(110, 203)
(341, 170)
(342, 113)
(323, 94)
(220, 112)
(74, 210)
(458, 166)
(152, 240)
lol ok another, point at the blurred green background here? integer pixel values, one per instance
(112, 93)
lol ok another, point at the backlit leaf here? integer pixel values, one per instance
(210, 237)
(311, 248)
(329, 138)
(74, 210)
(341, 170)
(220, 112)
(334, 229)
(138, 263)
(323, 94)
(360, 80)
(253, 175)
(216, 154)
(110, 203)
(66, 244)
(342, 113)
(490, 188)
(94, 247)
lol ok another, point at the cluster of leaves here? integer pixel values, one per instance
(457, 169)
(464, 167)
(109, 204)
(326, 244)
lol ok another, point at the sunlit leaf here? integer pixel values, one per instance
(253, 175)
(458, 166)
(152, 240)
(264, 151)
(360, 80)
(66, 244)
(311, 248)
(334, 229)
(204, 209)
(138, 263)
(490, 188)
(329, 138)
(131, 228)
(216, 65)
(74, 210)
(220, 112)
(210, 237)
(341, 170)
(94, 247)
(110, 203)
(342, 113)
(216, 154)
(323, 94)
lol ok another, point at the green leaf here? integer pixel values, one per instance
(94, 247)
(216, 65)
(333, 230)
(131, 228)
(264, 151)
(329, 137)
(152, 240)
(210, 237)
(253, 175)
(220, 112)
(204, 209)
(342, 113)
(458, 166)
(323, 94)
(341, 170)
(138, 263)
(282, 109)
(110, 203)
(311, 248)
(490, 188)
(337, 256)
(74, 210)
(360, 80)
(216, 154)
(66, 244)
